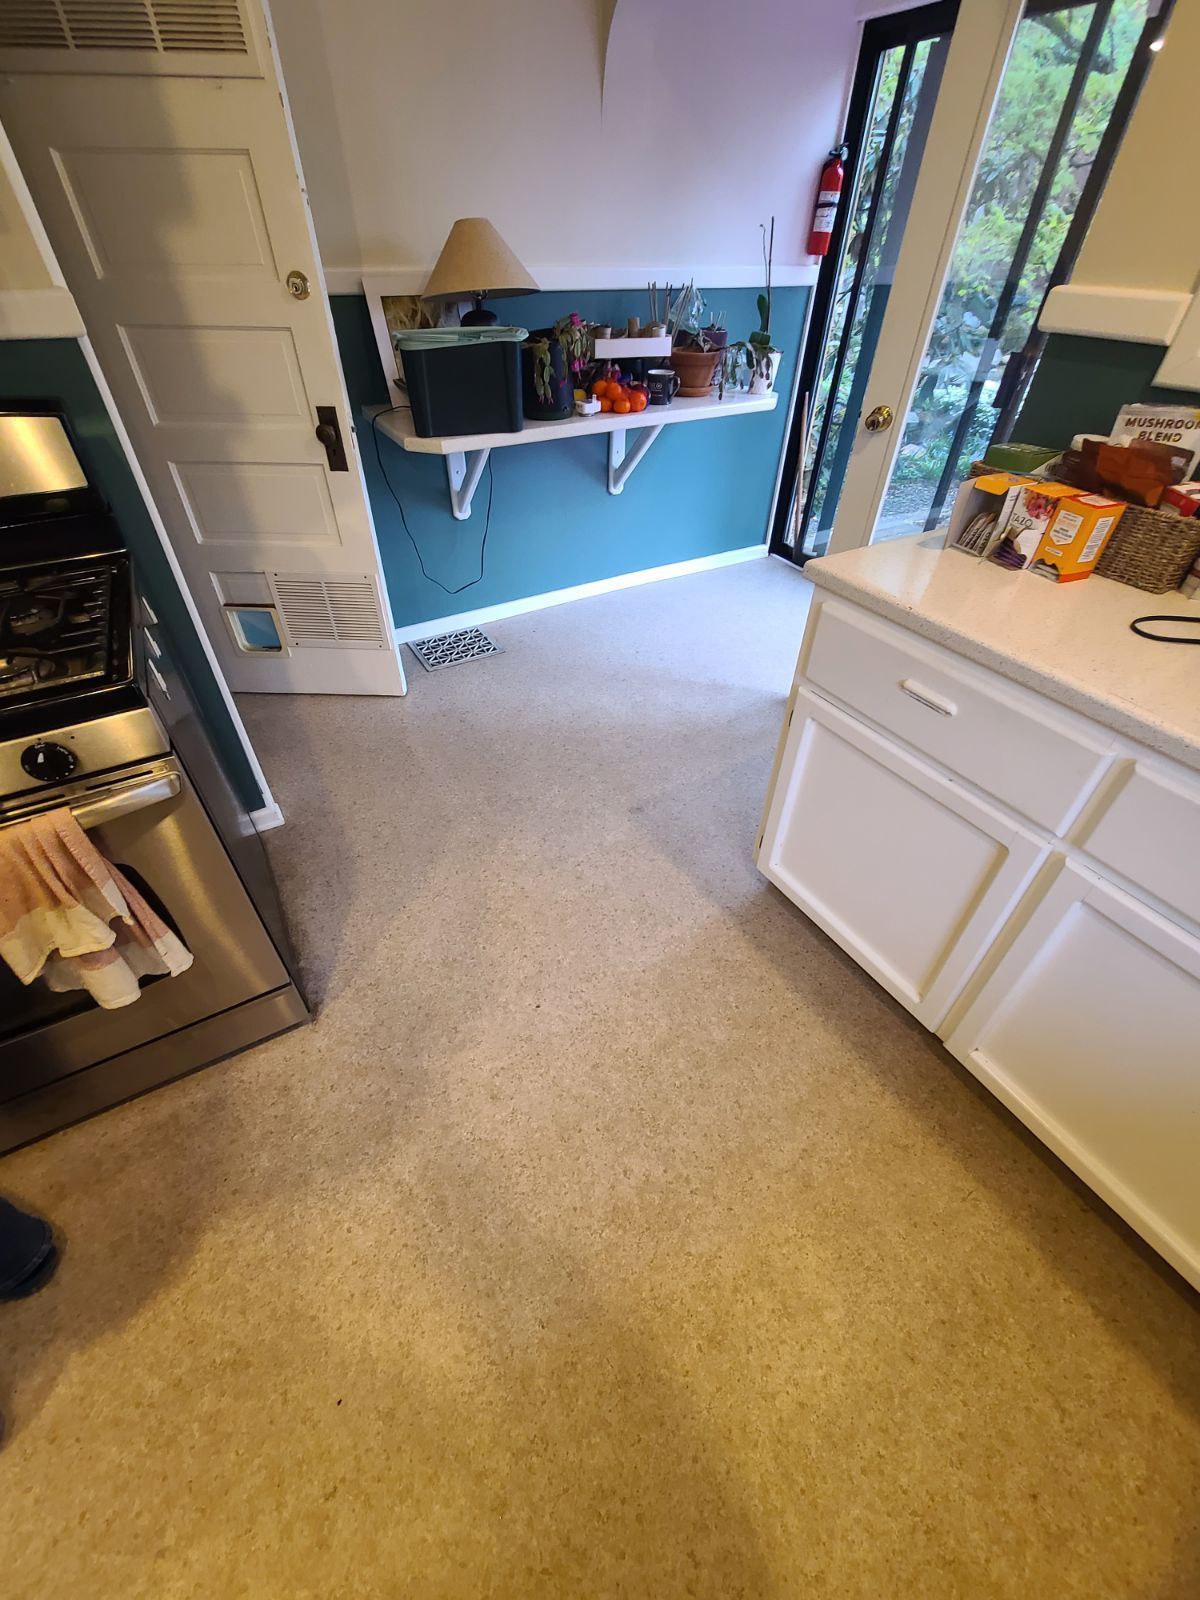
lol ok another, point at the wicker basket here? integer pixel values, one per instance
(1151, 550)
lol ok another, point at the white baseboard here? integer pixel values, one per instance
(267, 817)
(580, 591)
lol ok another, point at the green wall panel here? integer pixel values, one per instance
(54, 370)
(1081, 384)
(701, 489)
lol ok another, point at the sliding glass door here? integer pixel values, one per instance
(925, 338)
(899, 73)
(1066, 70)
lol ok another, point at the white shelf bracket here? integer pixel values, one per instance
(464, 468)
(621, 465)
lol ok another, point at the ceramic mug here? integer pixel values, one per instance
(663, 384)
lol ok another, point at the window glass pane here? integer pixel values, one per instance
(255, 628)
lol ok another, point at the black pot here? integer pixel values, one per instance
(562, 386)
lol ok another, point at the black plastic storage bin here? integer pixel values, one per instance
(463, 380)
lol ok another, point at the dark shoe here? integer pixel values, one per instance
(28, 1254)
(37, 1279)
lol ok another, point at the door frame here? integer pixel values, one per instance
(879, 35)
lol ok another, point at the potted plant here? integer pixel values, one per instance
(550, 360)
(766, 358)
(694, 355)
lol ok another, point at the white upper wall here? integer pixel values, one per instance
(34, 301)
(410, 113)
(1146, 231)
(21, 263)
(24, 259)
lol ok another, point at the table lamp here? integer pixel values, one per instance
(476, 264)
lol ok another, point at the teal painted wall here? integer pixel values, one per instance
(55, 370)
(1082, 383)
(700, 490)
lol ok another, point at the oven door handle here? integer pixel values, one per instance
(121, 802)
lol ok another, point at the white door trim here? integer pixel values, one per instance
(110, 405)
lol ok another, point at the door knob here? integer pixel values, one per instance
(878, 420)
(329, 434)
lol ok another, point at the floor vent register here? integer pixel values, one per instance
(452, 649)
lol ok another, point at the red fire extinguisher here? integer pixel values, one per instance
(829, 194)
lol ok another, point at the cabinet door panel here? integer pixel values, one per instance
(907, 872)
(1145, 828)
(1089, 1029)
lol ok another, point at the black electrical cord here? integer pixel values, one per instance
(1137, 627)
(428, 576)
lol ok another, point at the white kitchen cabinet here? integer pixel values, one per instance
(1020, 876)
(1088, 1028)
(906, 870)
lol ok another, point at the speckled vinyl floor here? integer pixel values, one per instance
(610, 1234)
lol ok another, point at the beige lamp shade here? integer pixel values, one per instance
(475, 261)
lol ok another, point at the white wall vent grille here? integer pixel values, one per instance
(337, 612)
(158, 26)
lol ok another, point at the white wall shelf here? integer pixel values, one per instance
(467, 453)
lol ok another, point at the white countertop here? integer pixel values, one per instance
(1068, 641)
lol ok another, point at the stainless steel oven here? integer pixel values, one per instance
(76, 730)
(131, 793)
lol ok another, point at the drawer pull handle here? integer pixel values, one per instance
(926, 697)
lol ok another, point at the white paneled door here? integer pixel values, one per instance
(168, 180)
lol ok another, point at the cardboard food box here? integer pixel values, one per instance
(1080, 528)
(1183, 498)
(981, 509)
(1173, 425)
(1030, 514)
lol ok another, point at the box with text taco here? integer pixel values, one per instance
(1029, 514)
(1073, 543)
(981, 509)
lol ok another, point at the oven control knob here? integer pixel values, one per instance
(52, 763)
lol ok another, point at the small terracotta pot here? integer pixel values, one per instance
(696, 369)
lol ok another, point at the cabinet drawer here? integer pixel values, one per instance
(1012, 745)
(1147, 828)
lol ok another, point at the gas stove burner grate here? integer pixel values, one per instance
(453, 649)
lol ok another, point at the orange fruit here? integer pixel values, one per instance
(639, 401)
(606, 404)
(599, 389)
(622, 407)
